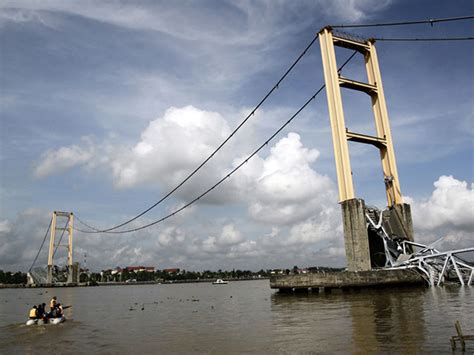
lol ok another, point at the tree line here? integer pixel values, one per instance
(8, 277)
(163, 276)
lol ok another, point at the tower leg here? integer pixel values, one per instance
(355, 235)
(69, 274)
(49, 276)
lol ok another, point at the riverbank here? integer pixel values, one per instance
(124, 283)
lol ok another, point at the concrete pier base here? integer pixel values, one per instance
(356, 238)
(49, 276)
(346, 279)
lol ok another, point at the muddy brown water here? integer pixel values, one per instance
(235, 318)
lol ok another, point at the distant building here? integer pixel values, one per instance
(171, 271)
(140, 268)
(117, 270)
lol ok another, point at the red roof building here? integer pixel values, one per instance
(140, 268)
(171, 271)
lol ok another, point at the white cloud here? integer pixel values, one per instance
(229, 236)
(283, 188)
(177, 19)
(354, 10)
(171, 235)
(22, 16)
(20, 238)
(181, 21)
(326, 226)
(229, 239)
(448, 213)
(171, 147)
(62, 159)
(451, 203)
(5, 226)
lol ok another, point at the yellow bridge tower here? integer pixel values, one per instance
(52, 240)
(358, 250)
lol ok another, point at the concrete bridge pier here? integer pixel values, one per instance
(363, 249)
(356, 238)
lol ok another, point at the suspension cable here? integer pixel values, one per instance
(425, 39)
(42, 243)
(429, 21)
(233, 170)
(275, 87)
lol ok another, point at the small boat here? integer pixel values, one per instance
(220, 282)
(48, 321)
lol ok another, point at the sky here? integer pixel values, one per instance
(106, 106)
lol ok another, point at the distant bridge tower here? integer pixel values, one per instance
(69, 229)
(360, 249)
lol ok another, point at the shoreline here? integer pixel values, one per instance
(123, 283)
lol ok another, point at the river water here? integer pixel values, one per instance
(239, 317)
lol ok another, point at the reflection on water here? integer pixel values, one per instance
(390, 319)
(376, 321)
(238, 317)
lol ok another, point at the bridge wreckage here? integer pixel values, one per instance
(433, 265)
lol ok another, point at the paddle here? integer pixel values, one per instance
(67, 307)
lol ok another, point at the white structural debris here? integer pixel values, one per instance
(436, 267)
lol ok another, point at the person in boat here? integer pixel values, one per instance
(33, 313)
(52, 303)
(59, 310)
(40, 310)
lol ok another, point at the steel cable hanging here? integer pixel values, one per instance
(42, 243)
(85, 224)
(425, 39)
(233, 170)
(214, 152)
(403, 23)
